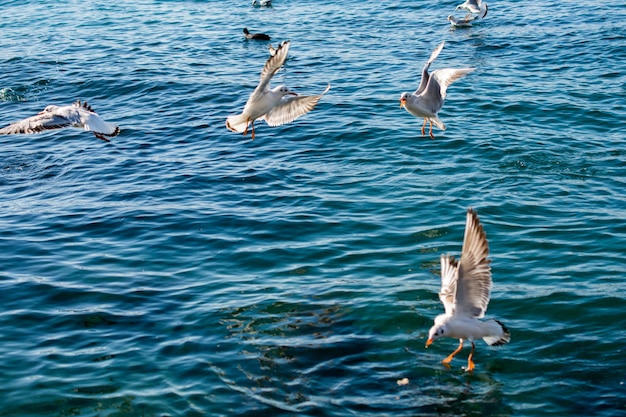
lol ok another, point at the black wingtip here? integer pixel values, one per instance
(84, 105)
(506, 338)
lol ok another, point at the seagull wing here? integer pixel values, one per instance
(473, 285)
(36, 124)
(472, 6)
(449, 277)
(272, 65)
(443, 78)
(430, 99)
(290, 108)
(91, 121)
(425, 76)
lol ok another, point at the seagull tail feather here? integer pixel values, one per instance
(236, 123)
(501, 336)
(437, 122)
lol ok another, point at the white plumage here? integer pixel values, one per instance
(278, 105)
(477, 7)
(465, 293)
(428, 99)
(78, 114)
(465, 22)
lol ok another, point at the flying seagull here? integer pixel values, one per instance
(278, 105)
(427, 100)
(78, 114)
(465, 292)
(477, 7)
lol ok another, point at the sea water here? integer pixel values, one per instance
(186, 270)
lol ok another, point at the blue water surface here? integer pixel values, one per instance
(183, 269)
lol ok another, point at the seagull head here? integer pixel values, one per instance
(49, 109)
(403, 99)
(284, 90)
(435, 332)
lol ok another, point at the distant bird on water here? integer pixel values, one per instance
(466, 22)
(262, 3)
(278, 105)
(474, 7)
(256, 36)
(78, 114)
(427, 100)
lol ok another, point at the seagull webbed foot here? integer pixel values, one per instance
(470, 360)
(451, 356)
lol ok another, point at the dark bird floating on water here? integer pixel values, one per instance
(257, 36)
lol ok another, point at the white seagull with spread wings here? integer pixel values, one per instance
(427, 100)
(465, 292)
(477, 7)
(78, 114)
(278, 105)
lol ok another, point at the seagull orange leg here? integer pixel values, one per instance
(470, 360)
(431, 131)
(101, 136)
(451, 356)
(253, 130)
(423, 128)
(245, 132)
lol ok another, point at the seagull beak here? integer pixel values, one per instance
(292, 93)
(402, 102)
(429, 342)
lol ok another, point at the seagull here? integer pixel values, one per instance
(466, 22)
(428, 99)
(475, 7)
(278, 105)
(262, 3)
(257, 36)
(465, 292)
(78, 114)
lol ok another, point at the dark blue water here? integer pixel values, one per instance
(183, 269)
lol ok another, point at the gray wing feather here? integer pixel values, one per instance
(444, 78)
(272, 65)
(425, 75)
(474, 274)
(449, 276)
(36, 124)
(290, 108)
